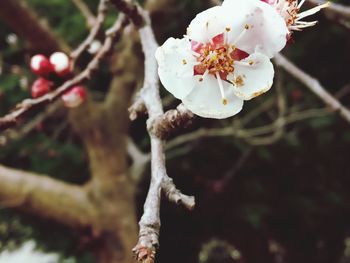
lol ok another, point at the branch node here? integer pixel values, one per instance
(174, 195)
(164, 125)
(137, 109)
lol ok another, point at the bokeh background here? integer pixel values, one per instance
(283, 199)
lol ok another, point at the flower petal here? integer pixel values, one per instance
(267, 30)
(175, 66)
(205, 100)
(207, 24)
(252, 77)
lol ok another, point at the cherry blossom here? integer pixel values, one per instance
(290, 11)
(224, 59)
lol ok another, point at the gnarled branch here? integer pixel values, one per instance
(27, 105)
(47, 197)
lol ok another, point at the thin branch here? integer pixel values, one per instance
(27, 105)
(150, 221)
(85, 11)
(314, 85)
(280, 121)
(18, 134)
(98, 22)
(137, 108)
(232, 131)
(259, 109)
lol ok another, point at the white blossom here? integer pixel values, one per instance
(224, 59)
(290, 11)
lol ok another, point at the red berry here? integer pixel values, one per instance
(61, 63)
(74, 97)
(40, 65)
(40, 87)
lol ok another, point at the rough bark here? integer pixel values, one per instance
(103, 127)
(47, 197)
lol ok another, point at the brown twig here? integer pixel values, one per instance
(232, 131)
(18, 134)
(138, 108)
(280, 120)
(314, 85)
(27, 105)
(102, 10)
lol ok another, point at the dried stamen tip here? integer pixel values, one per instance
(224, 101)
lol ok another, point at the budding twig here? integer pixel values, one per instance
(27, 105)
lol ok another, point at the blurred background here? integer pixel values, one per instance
(266, 194)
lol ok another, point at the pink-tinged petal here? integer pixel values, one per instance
(238, 54)
(260, 29)
(218, 40)
(270, 2)
(252, 77)
(196, 46)
(175, 66)
(205, 99)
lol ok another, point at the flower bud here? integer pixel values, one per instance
(74, 97)
(40, 65)
(40, 87)
(61, 63)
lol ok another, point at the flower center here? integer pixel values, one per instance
(291, 12)
(216, 57)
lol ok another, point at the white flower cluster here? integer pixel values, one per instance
(225, 57)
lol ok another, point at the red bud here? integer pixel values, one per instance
(40, 87)
(40, 65)
(74, 97)
(61, 63)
